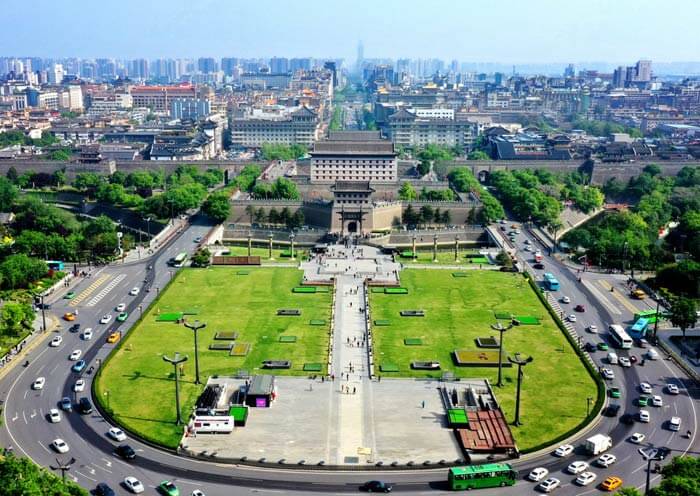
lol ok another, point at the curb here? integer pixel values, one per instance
(36, 340)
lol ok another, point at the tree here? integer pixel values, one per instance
(16, 316)
(260, 216)
(423, 167)
(21, 477)
(297, 220)
(202, 258)
(426, 214)
(628, 491)
(410, 216)
(478, 155)
(407, 192)
(8, 194)
(273, 216)
(12, 175)
(218, 207)
(62, 155)
(87, 181)
(286, 189)
(437, 216)
(19, 270)
(681, 477)
(446, 217)
(504, 259)
(683, 313)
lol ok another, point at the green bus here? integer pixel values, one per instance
(481, 476)
(650, 315)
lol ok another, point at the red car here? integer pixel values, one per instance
(580, 308)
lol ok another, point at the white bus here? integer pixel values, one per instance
(619, 336)
(221, 424)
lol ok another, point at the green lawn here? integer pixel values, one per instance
(141, 390)
(264, 253)
(460, 309)
(445, 257)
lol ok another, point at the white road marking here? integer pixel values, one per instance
(45, 448)
(24, 417)
(107, 462)
(25, 394)
(15, 417)
(638, 468)
(109, 287)
(85, 476)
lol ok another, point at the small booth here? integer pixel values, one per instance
(261, 391)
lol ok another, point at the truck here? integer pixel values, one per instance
(597, 444)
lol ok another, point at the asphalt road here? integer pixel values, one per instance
(27, 430)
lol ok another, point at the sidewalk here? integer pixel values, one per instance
(29, 343)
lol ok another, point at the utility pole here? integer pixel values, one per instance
(656, 320)
(196, 326)
(499, 327)
(177, 360)
(520, 362)
(63, 467)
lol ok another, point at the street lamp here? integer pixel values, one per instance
(63, 467)
(106, 393)
(435, 240)
(177, 360)
(291, 241)
(624, 256)
(588, 406)
(456, 248)
(269, 246)
(654, 458)
(196, 326)
(520, 362)
(499, 327)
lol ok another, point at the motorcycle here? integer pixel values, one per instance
(26, 363)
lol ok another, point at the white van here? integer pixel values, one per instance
(652, 354)
(612, 358)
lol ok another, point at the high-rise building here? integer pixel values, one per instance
(643, 71)
(207, 65)
(618, 80)
(330, 65)
(228, 65)
(569, 72)
(279, 64)
(56, 74)
(360, 56)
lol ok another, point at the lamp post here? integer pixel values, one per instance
(413, 247)
(196, 326)
(656, 321)
(106, 393)
(588, 406)
(624, 256)
(175, 361)
(520, 362)
(456, 248)
(499, 327)
(435, 240)
(655, 458)
(269, 245)
(250, 243)
(63, 467)
(291, 241)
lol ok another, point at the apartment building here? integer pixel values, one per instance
(299, 126)
(159, 98)
(420, 127)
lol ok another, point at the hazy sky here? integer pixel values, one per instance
(507, 31)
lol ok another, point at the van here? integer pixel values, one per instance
(612, 358)
(674, 424)
(652, 354)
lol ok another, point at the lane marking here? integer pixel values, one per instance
(45, 448)
(602, 299)
(89, 290)
(104, 291)
(85, 476)
(616, 294)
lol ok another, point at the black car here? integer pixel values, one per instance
(627, 418)
(662, 452)
(103, 489)
(84, 406)
(612, 410)
(590, 347)
(376, 486)
(125, 451)
(74, 328)
(539, 265)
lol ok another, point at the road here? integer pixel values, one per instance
(27, 430)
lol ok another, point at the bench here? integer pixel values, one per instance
(289, 311)
(425, 365)
(412, 313)
(277, 364)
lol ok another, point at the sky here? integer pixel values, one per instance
(504, 31)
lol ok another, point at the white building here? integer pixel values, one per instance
(299, 126)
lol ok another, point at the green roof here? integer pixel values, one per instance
(477, 469)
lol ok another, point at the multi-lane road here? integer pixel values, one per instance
(29, 433)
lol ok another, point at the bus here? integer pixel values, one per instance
(180, 259)
(481, 476)
(650, 315)
(54, 264)
(550, 282)
(639, 329)
(619, 336)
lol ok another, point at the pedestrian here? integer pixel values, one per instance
(333, 377)
(422, 405)
(323, 378)
(311, 386)
(354, 389)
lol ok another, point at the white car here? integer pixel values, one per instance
(657, 400)
(564, 450)
(637, 438)
(56, 341)
(577, 467)
(54, 416)
(197, 492)
(75, 355)
(565, 299)
(674, 424)
(198, 239)
(607, 374)
(79, 386)
(39, 383)
(644, 416)
(134, 291)
(550, 484)
(624, 362)
(87, 335)
(106, 319)
(572, 318)
(117, 434)
(593, 329)
(60, 445)
(585, 478)
(121, 307)
(652, 354)
(527, 248)
(538, 474)
(133, 484)
(645, 388)
(672, 389)
(606, 460)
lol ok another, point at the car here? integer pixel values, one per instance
(60, 446)
(603, 346)
(106, 319)
(607, 374)
(662, 452)
(121, 307)
(644, 416)
(539, 266)
(69, 295)
(85, 406)
(528, 242)
(643, 343)
(615, 392)
(113, 337)
(633, 359)
(168, 488)
(625, 362)
(645, 387)
(657, 400)
(66, 404)
(39, 383)
(577, 467)
(134, 291)
(517, 231)
(69, 316)
(637, 438)
(102, 489)
(117, 434)
(74, 328)
(549, 485)
(134, 485)
(674, 424)
(652, 354)
(56, 341)
(197, 492)
(564, 450)
(122, 316)
(54, 416)
(627, 419)
(78, 366)
(79, 386)
(537, 474)
(565, 299)
(590, 347)
(376, 486)
(580, 308)
(527, 248)
(611, 483)
(75, 355)
(571, 318)
(87, 334)
(606, 459)
(585, 478)
(672, 389)
(612, 410)
(643, 400)
(593, 329)
(125, 451)
(198, 239)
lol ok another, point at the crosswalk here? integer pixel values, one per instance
(89, 290)
(109, 287)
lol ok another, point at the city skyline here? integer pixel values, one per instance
(476, 33)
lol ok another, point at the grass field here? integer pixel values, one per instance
(445, 257)
(264, 253)
(137, 385)
(459, 310)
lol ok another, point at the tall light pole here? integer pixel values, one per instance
(196, 326)
(250, 242)
(435, 240)
(499, 327)
(520, 361)
(413, 246)
(63, 467)
(269, 246)
(655, 458)
(624, 256)
(177, 360)
(291, 241)
(589, 400)
(456, 248)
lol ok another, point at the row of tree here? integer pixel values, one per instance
(280, 188)
(276, 217)
(681, 477)
(407, 192)
(270, 151)
(426, 215)
(464, 181)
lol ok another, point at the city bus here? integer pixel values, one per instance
(550, 282)
(619, 336)
(54, 264)
(481, 476)
(639, 329)
(650, 315)
(180, 259)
